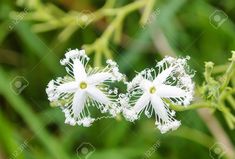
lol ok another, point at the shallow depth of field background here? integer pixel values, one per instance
(31, 129)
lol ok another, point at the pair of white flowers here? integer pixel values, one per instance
(85, 88)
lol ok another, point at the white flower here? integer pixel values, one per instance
(148, 91)
(84, 88)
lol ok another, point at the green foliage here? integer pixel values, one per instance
(34, 35)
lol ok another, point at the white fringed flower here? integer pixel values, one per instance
(84, 88)
(148, 92)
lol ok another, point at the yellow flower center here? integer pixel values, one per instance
(83, 85)
(152, 90)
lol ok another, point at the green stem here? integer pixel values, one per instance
(190, 107)
(133, 6)
(147, 12)
(109, 4)
(228, 121)
(208, 71)
(97, 59)
(231, 101)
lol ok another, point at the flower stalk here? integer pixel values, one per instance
(190, 107)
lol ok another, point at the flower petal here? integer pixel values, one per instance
(79, 70)
(172, 125)
(146, 84)
(159, 107)
(98, 78)
(69, 87)
(141, 102)
(167, 91)
(163, 76)
(98, 95)
(78, 102)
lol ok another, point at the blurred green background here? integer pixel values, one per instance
(31, 129)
